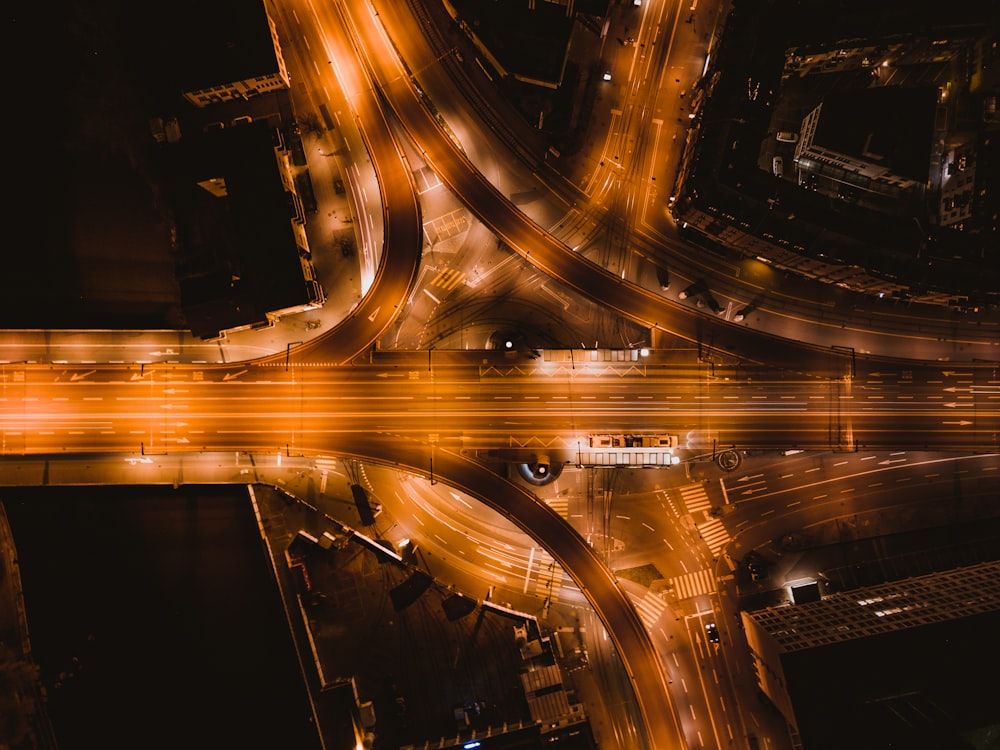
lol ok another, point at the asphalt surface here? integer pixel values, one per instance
(12, 629)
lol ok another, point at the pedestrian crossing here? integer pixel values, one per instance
(689, 585)
(695, 498)
(649, 607)
(449, 278)
(714, 534)
(560, 505)
(549, 577)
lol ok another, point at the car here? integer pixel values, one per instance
(663, 276)
(690, 290)
(756, 565)
(777, 166)
(786, 136)
(713, 304)
(607, 75)
(713, 632)
(242, 120)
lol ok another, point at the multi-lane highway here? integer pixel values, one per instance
(435, 412)
(480, 401)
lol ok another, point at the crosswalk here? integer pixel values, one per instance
(693, 584)
(549, 576)
(649, 607)
(449, 278)
(695, 498)
(559, 504)
(714, 534)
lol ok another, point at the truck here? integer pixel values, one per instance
(652, 440)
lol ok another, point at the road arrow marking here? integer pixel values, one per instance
(82, 375)
(961, 422)
(390, 375)
(230, 376)
(371, 318)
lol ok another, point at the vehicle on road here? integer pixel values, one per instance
(713, 632)
(633, 441)
(712, 304)
(691, 289)
(741, 314)
(756, 565)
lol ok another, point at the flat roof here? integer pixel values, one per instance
(218, 42)
(239, 257)
(529, 39)
(883, 608)
(890, 126)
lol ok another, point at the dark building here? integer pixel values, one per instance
(225, 50)
(908, 663)
(525, 40)
(243, 254)
(855, 153)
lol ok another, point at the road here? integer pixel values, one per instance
(451, 410)
(488, 403)
(727, 386)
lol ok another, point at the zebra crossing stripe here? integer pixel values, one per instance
(548, 587)
(693, 584)
(714, 534)
(560, 505)
(448, 278)
(649, 607)
(549, 577)
(695, 498)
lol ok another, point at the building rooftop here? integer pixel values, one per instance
(239, 257)
(900, 664)
(529, 40)
(873, 610)
(223, 41)
(891, 126)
